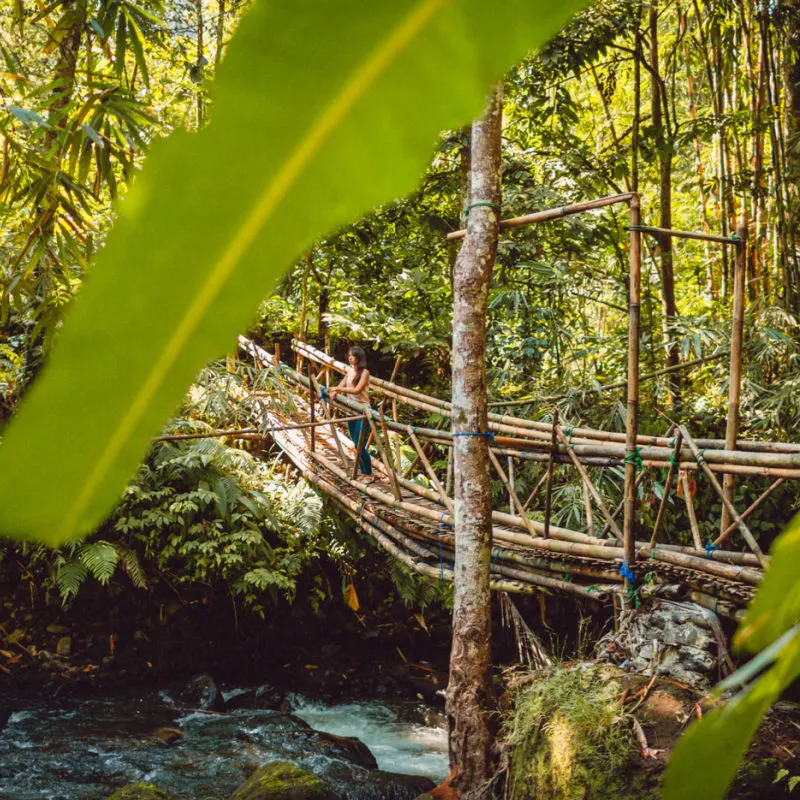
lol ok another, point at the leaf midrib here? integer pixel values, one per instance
(363, 78)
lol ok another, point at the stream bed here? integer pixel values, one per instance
(69, 749)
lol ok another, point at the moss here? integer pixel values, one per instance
(568, 740)
(281, 780)
(140, 791)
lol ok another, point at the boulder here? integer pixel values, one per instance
(347, 748)
(140, 791)
(201, 692)
(677, 640)
(64, 646)
(265, 697)
(280, 780)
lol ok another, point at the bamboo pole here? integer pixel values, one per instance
(429, 469)
(723, 537)
(510, 462)
(667, 488)
(535, 490)
(512, 494)
(548, 496)
(632, 418)
(763, 560)
(703, 237)
(334, 435)
(553, 213)
(590, 486)
(390, 473)
(735, 379)
(687, 497)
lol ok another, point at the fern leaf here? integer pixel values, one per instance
(101, 559)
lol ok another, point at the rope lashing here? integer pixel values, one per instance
(324, 394)
(635, 458)
(710, 548)
(673, 460)
(488, 434)
(701, 459)
(640, 228)
(479, 203)
(627, 573)
(568, 431)
(671, 442)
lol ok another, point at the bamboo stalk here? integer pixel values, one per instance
(312, 403)
(589, 485)
(667, 488)
(723, 537)
(535, 491)
(687, 496)
(548, 496)
(735, 380)
(587, 503)
(552, 213)
(429, 469)
(703, 237)
(512, 494)
(390, 473)
(632, 417)
(764, 561)
(334, 435)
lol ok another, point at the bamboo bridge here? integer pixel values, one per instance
(409, 509)
(412, 517)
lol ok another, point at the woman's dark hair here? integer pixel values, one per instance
(361, 358)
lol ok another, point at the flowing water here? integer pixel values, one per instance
(86, 749)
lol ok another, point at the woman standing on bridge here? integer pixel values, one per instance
(356, 384)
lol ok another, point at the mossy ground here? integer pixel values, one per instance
(281, 780)
(140, 791)
(569, 739)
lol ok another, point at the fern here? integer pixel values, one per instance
(101, 559)
(69, 578)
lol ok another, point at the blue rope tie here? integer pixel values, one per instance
(626, 572)
(324, 394)
(488, 434)
(710, 548)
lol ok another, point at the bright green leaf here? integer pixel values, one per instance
(776, 606)
(323, 110)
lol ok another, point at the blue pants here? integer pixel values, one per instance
(365, 462)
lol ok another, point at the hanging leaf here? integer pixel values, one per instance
(306, 135)
(350, 596)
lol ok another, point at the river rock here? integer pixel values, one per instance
(677, 640)
(64, 646)
(55, 628)
(348, 748)
(140, 791)
(262, 697)
(280, 780)
(201, 692)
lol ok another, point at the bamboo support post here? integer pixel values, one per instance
(548, 496)
(510, 462)
(748, 536)
(703, 237)
(515, 501)
(687, 497)
(588, 483)
(429, 469)
(735, 379)
(632, 418)
(723, 537)
(390, 473)
(397, 447)
(662, 508)
(327, 414)
(362, 440)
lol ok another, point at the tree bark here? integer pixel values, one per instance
(469, 697)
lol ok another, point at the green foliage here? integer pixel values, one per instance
(568, 739)
(706, 758)
(344, 129)
(417, 591)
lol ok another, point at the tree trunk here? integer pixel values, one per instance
(469, 698)
(664, 248)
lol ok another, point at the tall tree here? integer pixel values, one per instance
(469, 696)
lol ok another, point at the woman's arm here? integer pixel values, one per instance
(359, 387)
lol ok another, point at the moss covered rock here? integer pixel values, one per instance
(140, 791)
(280, 780)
